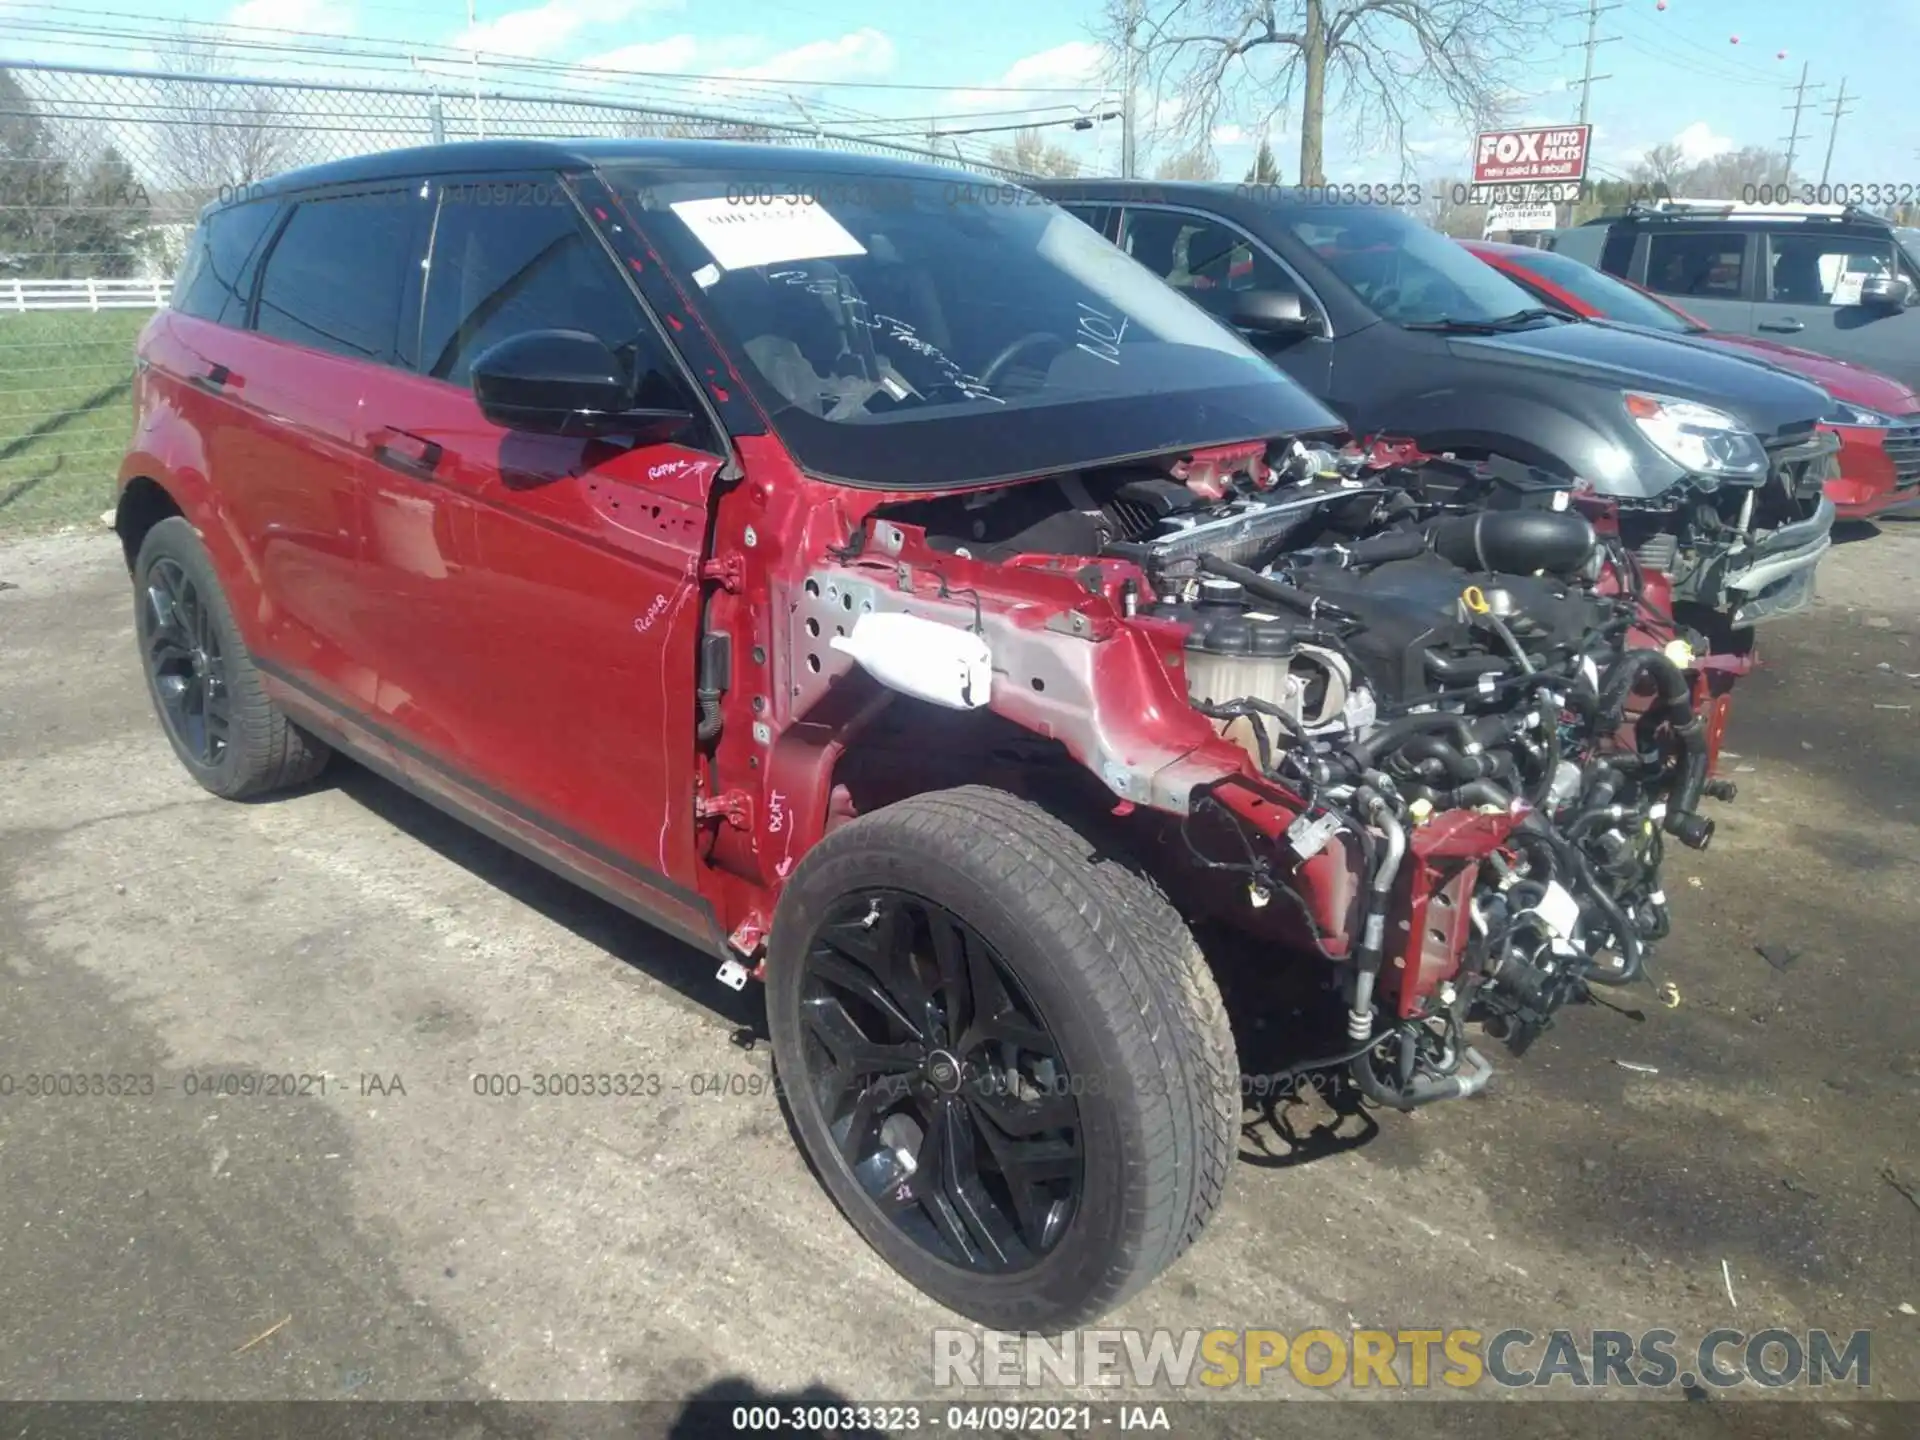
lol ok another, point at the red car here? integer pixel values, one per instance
(1877, 418)
(881, 582)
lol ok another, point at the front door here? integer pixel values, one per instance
(541, 594)
(1811, 297)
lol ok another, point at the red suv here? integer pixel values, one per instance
(1876, 417)
(875, 578)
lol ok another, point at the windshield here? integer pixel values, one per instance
(1614, 299)
(902, 330)
(1405, 272)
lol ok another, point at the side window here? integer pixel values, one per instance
(1707, 264)
(336, 276)
(1207, 259)
(1096, 216)
(214, 278)
(502, 269)
(1816, 269)
(1616, 256)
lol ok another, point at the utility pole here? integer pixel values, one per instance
(1799, 103)
(1127, 116)
(1839, 109)
(1593, 41)
(479, 120)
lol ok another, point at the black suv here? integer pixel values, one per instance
(1832, 280)
(1715, 462)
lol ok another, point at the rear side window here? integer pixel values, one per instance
(335, 278)
(500, 269)
(1707, 264)
(1616, 256)
(1203, 257)
(1095, 216)
(214, 278)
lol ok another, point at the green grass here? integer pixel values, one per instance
(66, 412)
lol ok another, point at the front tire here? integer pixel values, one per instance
(204, 685)
(1004, 1055)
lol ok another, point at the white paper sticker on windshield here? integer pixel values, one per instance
(1846, 290)
(738, 236)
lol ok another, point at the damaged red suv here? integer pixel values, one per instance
(870, 575)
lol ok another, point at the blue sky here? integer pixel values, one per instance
(1675, 74)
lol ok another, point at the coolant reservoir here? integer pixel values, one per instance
(1236, 652)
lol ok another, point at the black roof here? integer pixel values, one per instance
(663, 156)
(1721, 212)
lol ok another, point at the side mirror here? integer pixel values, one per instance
(563, 382)
(1271, 312)
(1886, 292)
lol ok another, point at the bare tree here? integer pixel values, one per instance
(1377, 63)
(216, 133)
(1196, 163)
(1662, 165)
(1031, 153)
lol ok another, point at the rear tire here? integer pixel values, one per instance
(204, 685)
(1142, 1084)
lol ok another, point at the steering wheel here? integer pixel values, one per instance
(1017, 348)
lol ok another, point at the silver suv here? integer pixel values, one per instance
(1826, 278)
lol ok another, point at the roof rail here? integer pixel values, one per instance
(1681, 208)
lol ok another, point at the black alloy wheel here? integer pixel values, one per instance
(940, 1082)
(185, 662)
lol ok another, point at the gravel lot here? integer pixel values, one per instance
(416, 1240)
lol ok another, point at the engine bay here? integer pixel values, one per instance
(1388, 644)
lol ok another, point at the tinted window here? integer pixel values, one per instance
(1095, 215)
(1808, 269)
(334, 278)
(1710, 264)
(1403, 271)
(1616, 256)
(214, 278)
(1208, 259)
(503, 269)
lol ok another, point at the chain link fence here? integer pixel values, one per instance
(102, 173)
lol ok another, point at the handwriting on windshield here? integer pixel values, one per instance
(892, 328)
(1100, 334)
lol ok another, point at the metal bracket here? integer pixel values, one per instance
(730, 570)
(733, 806)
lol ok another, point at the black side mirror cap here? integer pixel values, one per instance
(1271, 312)
(564, 382)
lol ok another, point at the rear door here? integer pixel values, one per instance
(324, 318)
(540, 595)
(1812, 278)
(1709, 269)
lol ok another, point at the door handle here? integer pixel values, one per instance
(407, 453)
(1788, 326)
(216, 379)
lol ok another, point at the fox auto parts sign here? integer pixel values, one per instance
(1515, 157)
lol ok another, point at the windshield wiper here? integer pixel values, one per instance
(1458, 324)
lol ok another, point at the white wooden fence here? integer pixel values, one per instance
(19, 295)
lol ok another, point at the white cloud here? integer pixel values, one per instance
(1072, 71)
(320, 17)
(1698, 142)
(540, 30)
(1231, 135)
(862, 55)
(675, 53)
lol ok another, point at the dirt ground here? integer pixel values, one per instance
(401, 1236)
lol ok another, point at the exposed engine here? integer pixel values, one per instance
(1388, 650)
